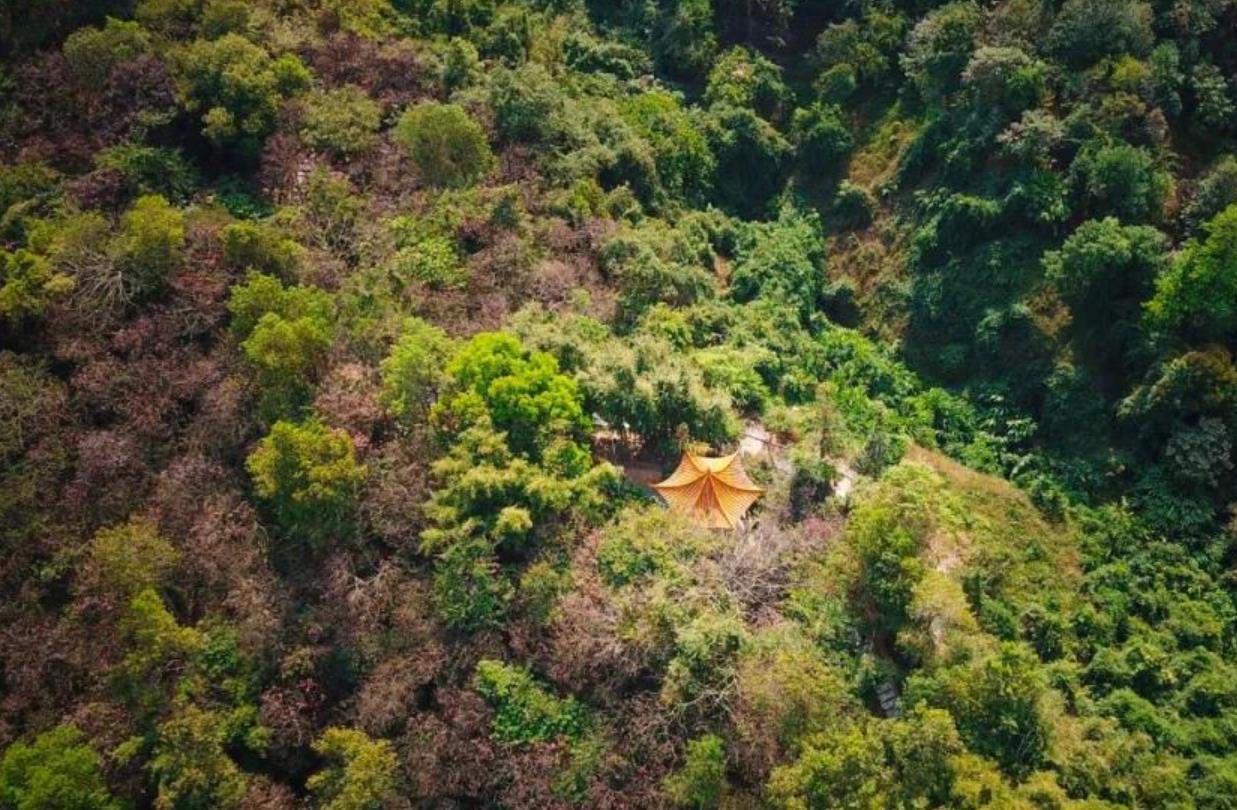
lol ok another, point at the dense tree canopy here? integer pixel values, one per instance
(341, 341)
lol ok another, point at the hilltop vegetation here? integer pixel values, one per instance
(328, 326)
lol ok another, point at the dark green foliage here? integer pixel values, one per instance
(1121, 180)
(151, 170)
(783, 261)
(1087, 30)
(686, 40)
(821, 139)
(1216, 190)
(752, 158)
(857, 52)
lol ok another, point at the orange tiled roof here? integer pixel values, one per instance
(711, 492)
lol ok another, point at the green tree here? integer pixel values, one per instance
(1196, 296)
(522, 392)
(28, 285)
(844, 767)
(361, 773)
(151, 170)
(939, 47)
(996, 700)
(527, 103)
(1087, 30)
(524, 711)
(1104, 272)
(159, 649)
(262, 294)
(782, 261)
(681, 153)
(415, 370)
(286, 332)
(91, 53)
(701, 781)
(1122, 180)
(743, 78)
(488, 503)
(752, 159)
(1217, 190)
(58, 770)
(237, 88)
(191, 768)
(864, 50)
(308, 475)
(343, 121)
(131, 557)
(149, 245)
(286, 354)
(685, 41)
(822, 140)
(1104, 262)
(448, 147)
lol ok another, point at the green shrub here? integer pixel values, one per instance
(151, 170)
(261, 248)
(92, 53)
(702, 779)
(308, 475)
(361, 773)
(821, 139)
(237, 88)
(743, 78)
(28, 285)
(447, 146)
(58, 770)
(415, 370)
(343, 121)
(149, 244)
(524, 711)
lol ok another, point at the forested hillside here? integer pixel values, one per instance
(340, 339)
